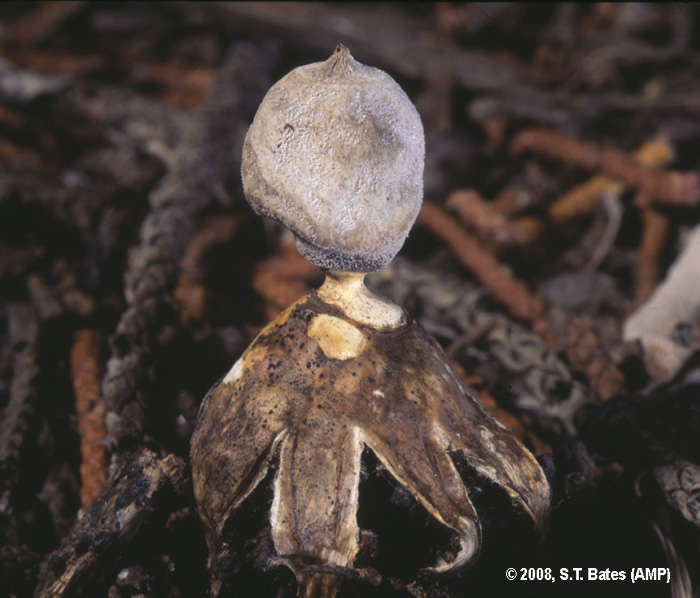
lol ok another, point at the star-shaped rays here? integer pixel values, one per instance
(316, 387)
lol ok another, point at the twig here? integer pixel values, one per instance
(519, 301)
(482, 216)
(43, 20)
(402, 46)
(86, 372)
(666, 188)
(57, 61)
(413, 50)
(603, 54)
(184, 87)
(584, 198)
(605, 378)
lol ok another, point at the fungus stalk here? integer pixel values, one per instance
(336, 153)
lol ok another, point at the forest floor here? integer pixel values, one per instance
(555, 260)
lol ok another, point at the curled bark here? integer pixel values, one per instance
(23, 327)
(144, 485)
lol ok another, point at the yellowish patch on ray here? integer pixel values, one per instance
(337, 338)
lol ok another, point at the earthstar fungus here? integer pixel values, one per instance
(336, 153)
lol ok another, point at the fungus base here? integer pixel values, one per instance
(316, 386)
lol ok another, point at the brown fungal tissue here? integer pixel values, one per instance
(336, 153)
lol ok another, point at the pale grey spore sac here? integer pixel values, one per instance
(336, 153)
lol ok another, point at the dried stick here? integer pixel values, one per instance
(484, 217)
(648, 270)
(584, 198)
(665, 188)
(43, 20)
(512, 293)
(86, 372)
(605, 378)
